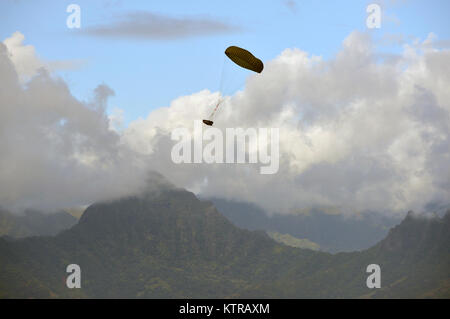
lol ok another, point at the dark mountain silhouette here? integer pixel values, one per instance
(170, 244)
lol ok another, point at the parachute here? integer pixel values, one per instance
(244, 59)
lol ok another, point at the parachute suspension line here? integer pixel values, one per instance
(215, 109)
(222, 73)
(220, 88)
(235, 84)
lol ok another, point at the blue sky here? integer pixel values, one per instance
(147, 74)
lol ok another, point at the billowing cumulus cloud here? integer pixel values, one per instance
(55, 150)
(27, 63)
(356, 133)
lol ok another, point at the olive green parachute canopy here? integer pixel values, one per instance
(244, 59)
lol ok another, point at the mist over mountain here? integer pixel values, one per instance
(34, 223)
(333, 232)
(170, 244)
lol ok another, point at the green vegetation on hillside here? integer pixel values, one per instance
(34, 223)
(171, 245)
(292, 241)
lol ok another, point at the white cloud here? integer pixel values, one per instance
(22, 56)
(55, 150)
(27, 63)
(356, 133)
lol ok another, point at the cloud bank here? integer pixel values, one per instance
(56, 151)
(357, 133)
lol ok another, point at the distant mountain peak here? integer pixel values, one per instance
(418, 232)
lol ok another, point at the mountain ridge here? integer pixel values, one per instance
(34, 223)
(171, 245)
(333, 233)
